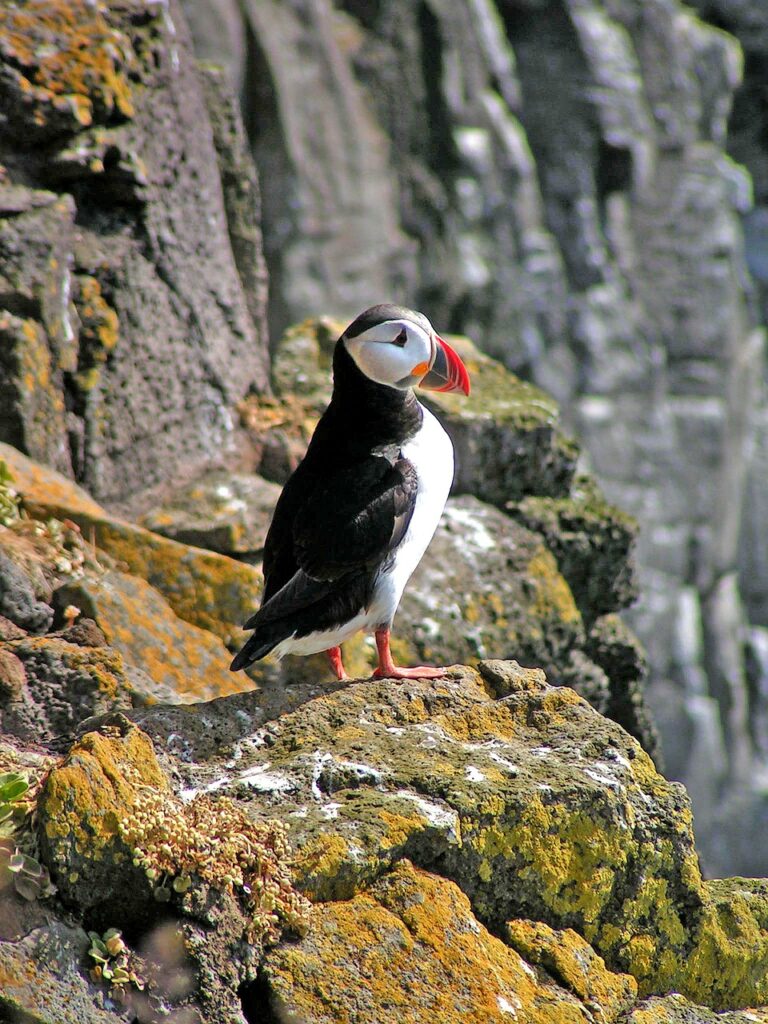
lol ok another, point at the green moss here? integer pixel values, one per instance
(497, 394)
(593, 542)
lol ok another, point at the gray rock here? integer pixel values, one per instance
(225, 512)
(20, 597)
(162, 344)
(62, 683)
(584, 224)
(44, 981)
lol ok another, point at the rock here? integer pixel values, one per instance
(33, 415)
(185, 662)
(601, 230)
(225, 512)
(453, 223)
(592, 542)
(616, 650)
(111, 312)
(46, 492)
(13, 678)
(538, 808)
(44, 981)
(84, 633)
(240, 187)
(80, 808)
(18, 600)
(675, 1009)
(574, 964)
(9, 630)
(410, 948)
(50, 686)
(203, 588)
(354, 182)
(465, 602)
(506, 435)
(125, 849)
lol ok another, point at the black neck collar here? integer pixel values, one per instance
(380, 414)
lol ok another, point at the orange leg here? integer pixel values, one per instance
(334, 656)
(388, 669)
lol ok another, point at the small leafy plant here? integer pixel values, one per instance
(13, 808)
(30, 879)
(112, 961)
(17, 865)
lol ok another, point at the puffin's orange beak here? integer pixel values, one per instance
(448, 373)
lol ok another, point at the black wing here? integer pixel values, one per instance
(347, 522)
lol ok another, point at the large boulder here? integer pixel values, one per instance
(206, 589)
(535, 806)
(410, 948)
(122, 847)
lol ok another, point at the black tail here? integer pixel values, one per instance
(253, 649)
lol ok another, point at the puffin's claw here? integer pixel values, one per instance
(388, 669)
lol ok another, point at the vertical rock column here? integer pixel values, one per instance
(130, 285)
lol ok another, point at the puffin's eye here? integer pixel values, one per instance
(401, 339)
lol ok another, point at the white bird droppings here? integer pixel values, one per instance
(506, 1007)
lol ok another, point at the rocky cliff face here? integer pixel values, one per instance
(569, 183)
(125, 314)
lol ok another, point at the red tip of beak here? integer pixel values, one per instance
(448, 372)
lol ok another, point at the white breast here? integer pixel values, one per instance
(431, 454)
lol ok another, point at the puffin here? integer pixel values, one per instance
(358, 512)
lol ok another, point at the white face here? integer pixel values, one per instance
(395, 352)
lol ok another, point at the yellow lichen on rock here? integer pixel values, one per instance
(552, 596)
(208, 590)
(410, 949)
(68, 59)
(574, 964)
(728, 965)
(44, 492)
(111, 829)
(81, 803)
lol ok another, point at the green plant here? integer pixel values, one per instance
(113, 961)
(13, 809)
(30, 878)
(17, 864)
(211, 841)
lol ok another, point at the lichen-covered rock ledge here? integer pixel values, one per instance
(482, 847)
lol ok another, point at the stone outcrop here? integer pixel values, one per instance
(127, 334)
(181, 843)
(472, 846)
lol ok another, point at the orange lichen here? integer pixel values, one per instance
(70, 58)
(411, 949)
(140, 624)
(99, 330)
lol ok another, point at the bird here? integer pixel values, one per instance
(354, 519)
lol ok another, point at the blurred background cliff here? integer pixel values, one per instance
(579, 186)
(582, 187)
